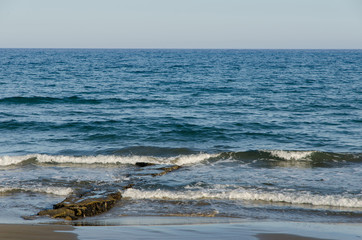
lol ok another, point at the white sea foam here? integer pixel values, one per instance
(100, 159)
(11, 160)
(243, 194)
(61, 191)
(105, 159)
(192, 159)
(291, 155)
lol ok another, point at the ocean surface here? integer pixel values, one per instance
(259, 134)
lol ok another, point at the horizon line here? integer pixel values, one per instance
(166, 48)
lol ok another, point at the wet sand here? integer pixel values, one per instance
(35, 232)
(191, 228)
(281, 236)
(46, 232)
(140, 228)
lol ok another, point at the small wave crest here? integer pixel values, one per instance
(271, 155)
(291, 155)
(104, 159)
(60, 191)
(13, 160)
(46, 100)
(249, 195)
(294, 158)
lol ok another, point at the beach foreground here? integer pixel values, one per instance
(36, 232)
(246, 230)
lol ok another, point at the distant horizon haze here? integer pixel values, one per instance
(188, 24)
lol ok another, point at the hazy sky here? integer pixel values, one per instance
(181, 23)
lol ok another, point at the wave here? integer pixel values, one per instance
(103, 159)
(75, 100)
(60, 191)
(291, 155)
(47, 100)
(294, 158)
(272, 155)
(183, 156)
(150, 151)
(248, 195)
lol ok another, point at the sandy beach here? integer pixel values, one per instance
(35, 232)
(40, 232)
(279, 236)
(246, 230)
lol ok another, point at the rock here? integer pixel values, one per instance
(77, 207)
(58, 213)
(144, 164)
(166, 170)
(32, 217)
(128, 186)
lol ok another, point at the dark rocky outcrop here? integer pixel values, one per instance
(166, 170)
(74, 207)
(144, 164)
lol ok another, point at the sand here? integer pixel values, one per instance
(54, 232)
(280, 236)
(35, 232)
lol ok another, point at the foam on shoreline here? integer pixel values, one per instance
(250, 194)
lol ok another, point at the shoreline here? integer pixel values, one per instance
(177, 228)
(282, 236)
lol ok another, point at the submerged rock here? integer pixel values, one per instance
(166, 170)
(74, 207)
(144, 164)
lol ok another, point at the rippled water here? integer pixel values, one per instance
(257, 133)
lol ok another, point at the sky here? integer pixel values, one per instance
(240, 24)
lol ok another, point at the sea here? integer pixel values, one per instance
(263, 134)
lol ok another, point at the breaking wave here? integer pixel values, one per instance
(60, 191)
(291, 155)
(103, 159)
(311, 158)
(188, 157)
(249, 194)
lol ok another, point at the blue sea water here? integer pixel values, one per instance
(257, 132)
